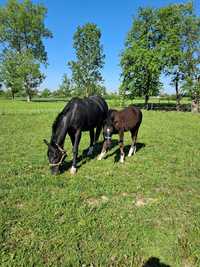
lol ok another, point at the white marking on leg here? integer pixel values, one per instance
(90, 151)
(73, 170)
(132, 151)
(101, 155)
(122, 158)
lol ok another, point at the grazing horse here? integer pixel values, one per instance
(118, 122)
(77, 116)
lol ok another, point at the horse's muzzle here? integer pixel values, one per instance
(108, 142)
(55, 170)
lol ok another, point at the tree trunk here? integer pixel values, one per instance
(13, 95)
(28, 98)
(195, 106)
(178, 103)
(146, 98)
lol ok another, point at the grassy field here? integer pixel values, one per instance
(108, 214)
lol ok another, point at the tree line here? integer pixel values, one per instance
(164, 40)
(161, 41)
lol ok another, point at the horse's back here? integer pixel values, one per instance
(88, 112)
(127, 118)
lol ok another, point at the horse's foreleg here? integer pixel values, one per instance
(103, 151)
(91, 147)
(121, 146)
(72, 137)
(75, 151)
(133, 145)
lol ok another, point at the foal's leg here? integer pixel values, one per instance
(75, 151)
(121, 146)
(103, 151)
(133, 145)
(91, 142)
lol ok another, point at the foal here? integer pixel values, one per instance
(128, 119)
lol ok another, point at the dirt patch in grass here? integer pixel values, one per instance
(141, 201)
(138, 201)
(96, 202)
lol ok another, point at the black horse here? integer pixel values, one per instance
(77, 116)
(118, 122)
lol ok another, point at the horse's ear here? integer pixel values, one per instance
(46, 142)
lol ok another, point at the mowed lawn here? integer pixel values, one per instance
(108, 214)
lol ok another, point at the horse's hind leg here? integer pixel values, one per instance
(121, 146)
(133, 145)
(91, 148)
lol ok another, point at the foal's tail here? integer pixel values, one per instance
(138, 113)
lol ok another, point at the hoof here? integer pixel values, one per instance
(90, 151)
(73, 170)
(100, 157)
(121, 159)
(131, 151)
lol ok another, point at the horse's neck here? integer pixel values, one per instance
(59, 134)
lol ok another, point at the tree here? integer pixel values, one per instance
(20, 72)
(29, 71)
(192, 88)
(179, 47)
(21, 32)
(140, 60)
(65, 89)
(9, 74)
(86, 73)
(45, 93)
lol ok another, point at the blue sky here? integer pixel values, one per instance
(113, 17)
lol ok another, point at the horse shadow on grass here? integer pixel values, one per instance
(126, 150)
(154, 262)
(84, 158)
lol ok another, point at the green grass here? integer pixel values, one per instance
(108, 214)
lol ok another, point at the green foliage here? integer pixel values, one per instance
(65, 89)
(161, 40)
(140, 61)
(180, 42)
(86, 73)
(20, 72)
(9, 71)
(21, 32)
(45, 93)
(22, 28)
(192, 88)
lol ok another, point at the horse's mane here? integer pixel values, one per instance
(61, 115)
(57, 121)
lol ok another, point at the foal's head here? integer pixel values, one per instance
(56, 156)
(108, 128)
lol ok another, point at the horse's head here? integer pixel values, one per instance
(56, 156)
